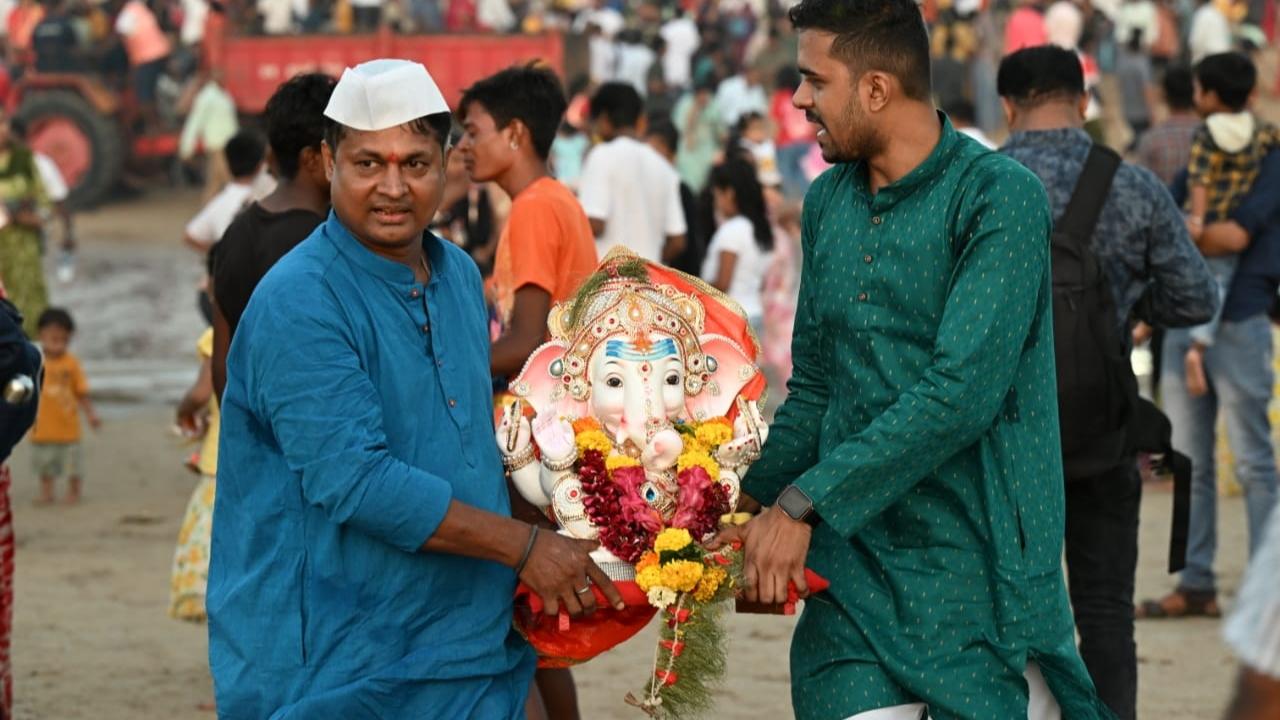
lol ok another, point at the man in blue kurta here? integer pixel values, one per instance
(916, 461)
(363, 553)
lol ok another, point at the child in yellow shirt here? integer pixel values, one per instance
(55, 439)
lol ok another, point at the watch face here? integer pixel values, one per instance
(794, 503)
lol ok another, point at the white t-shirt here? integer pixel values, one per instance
(636, 192)
(738, 237)
(681, 37)
(54, 186)
(735, 98)
(1210, 33)
(633, 63)
(215, 217)
(194, 13)
(609, 21)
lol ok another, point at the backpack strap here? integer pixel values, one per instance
(1090, 194)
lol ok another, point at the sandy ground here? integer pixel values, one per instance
(92, 639)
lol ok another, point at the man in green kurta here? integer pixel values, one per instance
(916, 461)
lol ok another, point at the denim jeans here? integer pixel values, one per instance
(791, 167)
(1240, 374)
(1102, 559)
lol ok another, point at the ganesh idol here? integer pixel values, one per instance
(641, 412)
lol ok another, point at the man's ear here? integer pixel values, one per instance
(878, 89)
(1084, 106)
(1010, 113)
(326, 156)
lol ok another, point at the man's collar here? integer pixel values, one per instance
(933, 166)
(378, 266)
(1048, 138)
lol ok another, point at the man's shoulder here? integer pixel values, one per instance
(1138, 180)
(981, 163)
(299, 273)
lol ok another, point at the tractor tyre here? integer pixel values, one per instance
(87, 146)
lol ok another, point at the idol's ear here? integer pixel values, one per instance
(541, 382)
(729, 374)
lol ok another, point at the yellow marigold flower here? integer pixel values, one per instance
(618, 460)
(582, 425)
(713, 434)
(682, 575)
(593, 440)
(692, 444)
(649, 577)
(698, 459)
(712, 579)
(672, 539)
(647, 560)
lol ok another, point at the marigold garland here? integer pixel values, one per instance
(593, 440)
(673, 538)
(698, 458)
(618, 460)
(712, 433)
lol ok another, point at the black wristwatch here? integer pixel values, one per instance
(798, 506)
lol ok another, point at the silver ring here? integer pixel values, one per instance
(583, 590)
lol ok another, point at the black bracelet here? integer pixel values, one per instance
(528, 550)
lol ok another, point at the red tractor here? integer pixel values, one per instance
(88, 129)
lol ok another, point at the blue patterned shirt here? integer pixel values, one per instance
(1141, 238)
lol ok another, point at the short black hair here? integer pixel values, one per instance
(294, 118)
(886, 35)
(56, 317)
(529, 93)
(1179, 91)
(437, 125)
(1231, 76)
(662, 128)
(1036, 75)
(244, 153)
(619, 102)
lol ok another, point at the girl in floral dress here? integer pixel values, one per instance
(197, 413)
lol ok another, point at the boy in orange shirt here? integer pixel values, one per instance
(55, 440)
(547, 248)
(544, 253)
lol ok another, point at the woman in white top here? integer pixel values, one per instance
(742, 247)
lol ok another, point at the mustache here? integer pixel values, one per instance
(814, 118)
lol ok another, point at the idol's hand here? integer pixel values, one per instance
(560, 570)
(554, 436)
(775, 548)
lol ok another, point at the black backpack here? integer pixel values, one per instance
(1103, 420)
(1096, 384)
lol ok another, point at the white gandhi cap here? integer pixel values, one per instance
(382, 94)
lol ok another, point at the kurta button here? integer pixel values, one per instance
(426, 327)
(875, 220)
(866, 259)
(862, 297)
(414, 293)
(453, 403)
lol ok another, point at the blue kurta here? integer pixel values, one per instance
(357, 406)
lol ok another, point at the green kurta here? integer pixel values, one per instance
(922, 419)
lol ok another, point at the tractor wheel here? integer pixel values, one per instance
(87, 147)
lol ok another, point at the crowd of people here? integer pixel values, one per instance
(736, 142)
